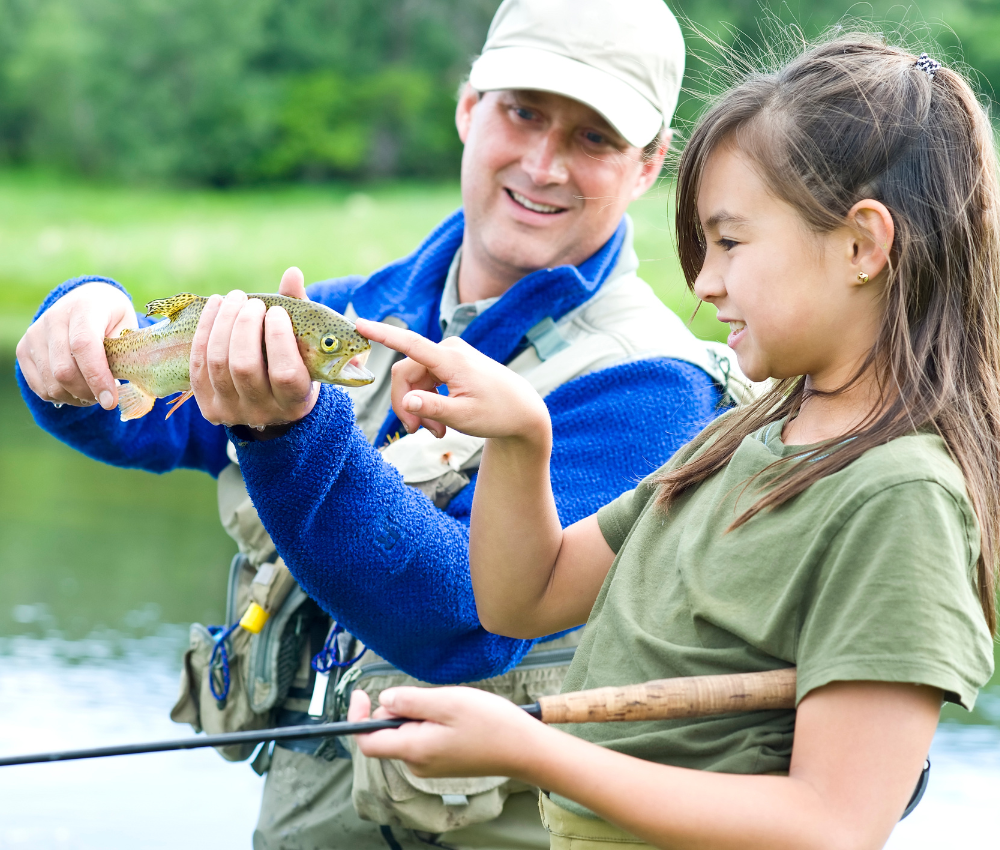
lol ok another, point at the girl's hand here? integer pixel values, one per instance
(467, 732)
(485, 398)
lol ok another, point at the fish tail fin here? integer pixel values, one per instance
(133, 402)
(177, 402)
(170, 307)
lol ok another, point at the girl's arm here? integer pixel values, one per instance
(530, 577)
(858, 752)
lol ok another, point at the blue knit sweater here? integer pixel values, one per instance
(376, 554)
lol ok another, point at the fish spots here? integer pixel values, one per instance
(157, 358)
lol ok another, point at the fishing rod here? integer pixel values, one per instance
(661, 699)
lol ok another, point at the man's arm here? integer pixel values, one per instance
(61, 360)
(393, 568)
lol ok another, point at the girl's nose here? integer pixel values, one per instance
(709, 286)
(545, 160)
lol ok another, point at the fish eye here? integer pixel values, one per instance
(329, 343)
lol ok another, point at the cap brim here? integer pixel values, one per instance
(634, 117)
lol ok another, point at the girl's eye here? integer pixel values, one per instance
(727, 244)
(329, 343)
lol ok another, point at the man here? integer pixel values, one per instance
(565, 122)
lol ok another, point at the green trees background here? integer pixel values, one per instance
(224, 92)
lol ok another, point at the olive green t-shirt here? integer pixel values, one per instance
(869, 574)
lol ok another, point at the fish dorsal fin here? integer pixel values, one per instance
(170, 307)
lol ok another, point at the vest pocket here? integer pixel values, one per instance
(387, 792)
(260, 668)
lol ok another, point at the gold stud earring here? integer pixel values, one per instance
(863, 277)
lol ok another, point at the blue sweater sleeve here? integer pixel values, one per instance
(152, 443)
(392, 568)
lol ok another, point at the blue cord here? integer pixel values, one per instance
(220, 635)
(218, 664)
(326, 659)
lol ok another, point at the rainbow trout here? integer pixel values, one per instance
(156, 360)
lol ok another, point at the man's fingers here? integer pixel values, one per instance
(53, 390)
(59, 369)
(86, 345)
(288, 375)
(219, 342)
(29, 370)
(246, 357)
(293, 284)
(199, 346)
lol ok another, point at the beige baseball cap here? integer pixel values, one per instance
(622, 58)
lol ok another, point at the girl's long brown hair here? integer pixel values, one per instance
(849, 119)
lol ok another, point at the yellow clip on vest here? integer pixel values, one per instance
(254, 618)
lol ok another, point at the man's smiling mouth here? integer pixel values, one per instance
(546, 209)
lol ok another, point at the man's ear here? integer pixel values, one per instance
(467, 101)
(870, 243)
(652, 165)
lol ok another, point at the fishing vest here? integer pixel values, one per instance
(271, 679)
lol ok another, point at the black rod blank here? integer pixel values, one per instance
(254, 736)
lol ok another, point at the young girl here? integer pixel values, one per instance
(842, 216)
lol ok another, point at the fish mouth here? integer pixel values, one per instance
(353, 373)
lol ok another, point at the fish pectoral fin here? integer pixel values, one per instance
(170, 307)
(133, 402)
(177, 402)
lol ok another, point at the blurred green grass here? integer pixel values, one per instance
(158, 242)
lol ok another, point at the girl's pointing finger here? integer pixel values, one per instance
(413, 345)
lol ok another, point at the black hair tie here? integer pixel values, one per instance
(927, 65)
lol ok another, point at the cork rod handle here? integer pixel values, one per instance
(665, 699)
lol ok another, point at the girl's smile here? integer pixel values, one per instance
(736, 329)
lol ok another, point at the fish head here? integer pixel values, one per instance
(333, 350)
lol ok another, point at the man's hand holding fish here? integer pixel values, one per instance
(232, 381)
(62, 354)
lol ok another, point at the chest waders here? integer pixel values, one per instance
(272, 677)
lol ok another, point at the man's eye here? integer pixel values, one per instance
(524, 114)
(594, 138)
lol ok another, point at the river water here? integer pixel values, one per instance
(102, 569)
